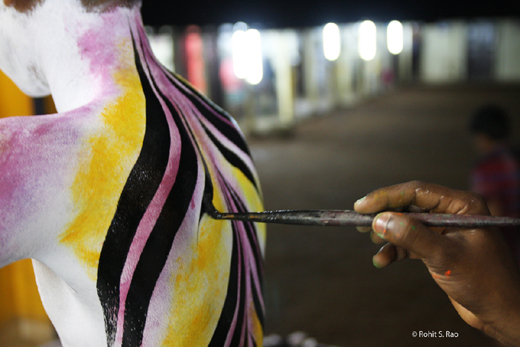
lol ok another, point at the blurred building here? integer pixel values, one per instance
(296, 77)
(270, 80)
(481, 50)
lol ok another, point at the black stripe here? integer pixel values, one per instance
(253, 242)
(231, 157)
(250, 230)
(237, 336)
(230, 304)
(225, 128)
(138, 192)
(159, 244)
(257, 293)
(208, 191)
(228, 310)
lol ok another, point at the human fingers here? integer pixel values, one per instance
(364, 229)
(408, 234)
(389, 254)
(376, 238)
(423, 196)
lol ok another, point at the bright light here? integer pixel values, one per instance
(394, 35)
(331, 41)
(255, 71)
(240, 26)
(247, 55)
(238, 42)
(367, 40)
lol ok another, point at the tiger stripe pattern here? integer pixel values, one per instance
(108, 197)
(185, 136)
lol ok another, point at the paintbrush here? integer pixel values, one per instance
(352, 218)
(346, 217)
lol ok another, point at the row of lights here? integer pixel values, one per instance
(367, 40)
(247, 48)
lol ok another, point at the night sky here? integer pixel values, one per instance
(294, 13)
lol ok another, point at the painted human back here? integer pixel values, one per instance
(109, 190)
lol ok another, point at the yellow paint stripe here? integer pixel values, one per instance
(201, 275)
(108, 158)
(254, 201)
(199, 282)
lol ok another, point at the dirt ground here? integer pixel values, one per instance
(321, 280)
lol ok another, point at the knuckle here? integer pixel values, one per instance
(474, 204)
(477, 201)
(404, 231)
(416, 183)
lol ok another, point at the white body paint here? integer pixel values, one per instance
(39, 51)
(106, 195)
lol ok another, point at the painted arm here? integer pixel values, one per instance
(38, 159)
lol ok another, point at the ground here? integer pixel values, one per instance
(321, 280)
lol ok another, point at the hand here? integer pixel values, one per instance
(473, 266)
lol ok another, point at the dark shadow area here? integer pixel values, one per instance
(321, 280)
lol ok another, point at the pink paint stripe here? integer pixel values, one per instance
(248, 260)
(216, 159)
(245, 254)
(247, 294)
(247, 257)
(162, 294)
(211, 107)
(152, 213)
(254, 272)
(231, 146)
(248, 253)
(252, 266)
(182, 104)
(185, 107)
(240, 262)
(207, 146)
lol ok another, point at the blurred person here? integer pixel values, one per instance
(496, 175)
(473, 266)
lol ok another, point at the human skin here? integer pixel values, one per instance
(473, 266)
(106, 196)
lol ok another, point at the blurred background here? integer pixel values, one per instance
(336, 99)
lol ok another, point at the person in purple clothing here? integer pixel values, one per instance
(496, 175)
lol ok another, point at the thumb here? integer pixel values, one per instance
(409, 234)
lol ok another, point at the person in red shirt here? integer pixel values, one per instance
(496, 175)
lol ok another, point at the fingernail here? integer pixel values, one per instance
(360, 200)
(376, 263)
(364, 229)
(380, 223)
